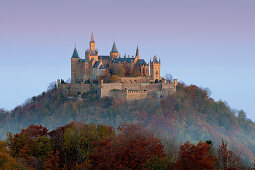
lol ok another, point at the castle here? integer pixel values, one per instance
(125, 77)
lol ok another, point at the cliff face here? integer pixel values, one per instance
(188, 115)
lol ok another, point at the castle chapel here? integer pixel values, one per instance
(134, 78)
(88, 69)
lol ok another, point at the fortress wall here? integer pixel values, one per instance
(136, 95)
(120, 94)
(168, 86)
(73, 89)
(139, 79)
(154, 87)
(82, 88)
(64, 88)
(106, 88)
(131, 86)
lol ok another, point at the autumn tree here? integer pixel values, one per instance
(226, 158)
(52, 163)
(77, 140)
(8, 162)
(194, 157)
(120, 70)
(130, 149)
(31, 144)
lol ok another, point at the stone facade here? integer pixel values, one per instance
(143, 82)
(128, 91)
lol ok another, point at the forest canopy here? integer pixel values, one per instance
(188, 115)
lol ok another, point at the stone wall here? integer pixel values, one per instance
(105, 88)
(133, 80)
(129, 91)
(74, 89)
(136, 95)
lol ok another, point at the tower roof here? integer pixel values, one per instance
(114, 48)
(155, 59)
(137, 52)
(75, 53)
(92, 38)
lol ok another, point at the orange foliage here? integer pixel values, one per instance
(130, 149)
(193, 157)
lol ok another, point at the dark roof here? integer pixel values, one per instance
(92, 38)
(155, 59)
(103, 57)
(141, 62)
(114, 48)
(84, 60)
(97, 63)
(137, 51)
(75, 53)
(101, 67)
(122, 60)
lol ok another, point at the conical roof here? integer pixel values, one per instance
(92, 38)
(75, 53)
(137, 52)
(114, 48)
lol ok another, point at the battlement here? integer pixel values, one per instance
(128, 91)
(136, 91)
(93, 67)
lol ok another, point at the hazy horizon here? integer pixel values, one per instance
(206, 43)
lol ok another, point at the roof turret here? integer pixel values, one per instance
(137, 52)
(92, 38)
(75, 53)
(114, 48)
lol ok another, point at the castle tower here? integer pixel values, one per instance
(155, 69)
(75, 71)
(92, 53)
(92, 43)
(137, 53)
(114, 52)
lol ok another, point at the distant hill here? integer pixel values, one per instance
(189, 115)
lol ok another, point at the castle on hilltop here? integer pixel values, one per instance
(114, 76)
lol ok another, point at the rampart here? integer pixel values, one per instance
(138, 79)
(74, 89)
(129, 91)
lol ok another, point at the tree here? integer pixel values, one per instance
(52, 86)
(77, 140)
(31, 144)
(130, 149)
(8, 162)
(115, 78)
(106, 77)
(195, 157)
(53, 161)
(227, 159)
(120, 71)
(169, 77)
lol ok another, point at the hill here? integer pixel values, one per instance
(189, 115)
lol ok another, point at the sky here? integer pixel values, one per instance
(207, 43)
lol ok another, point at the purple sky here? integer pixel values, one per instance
(203, 42)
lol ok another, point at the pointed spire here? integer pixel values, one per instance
(92, 38)
(137, 52)
(75, 53)
(114, 48)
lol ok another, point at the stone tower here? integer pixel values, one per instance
(114, 52)
(75, 67)
(92, 52)
(92, 43)
(155, 69)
